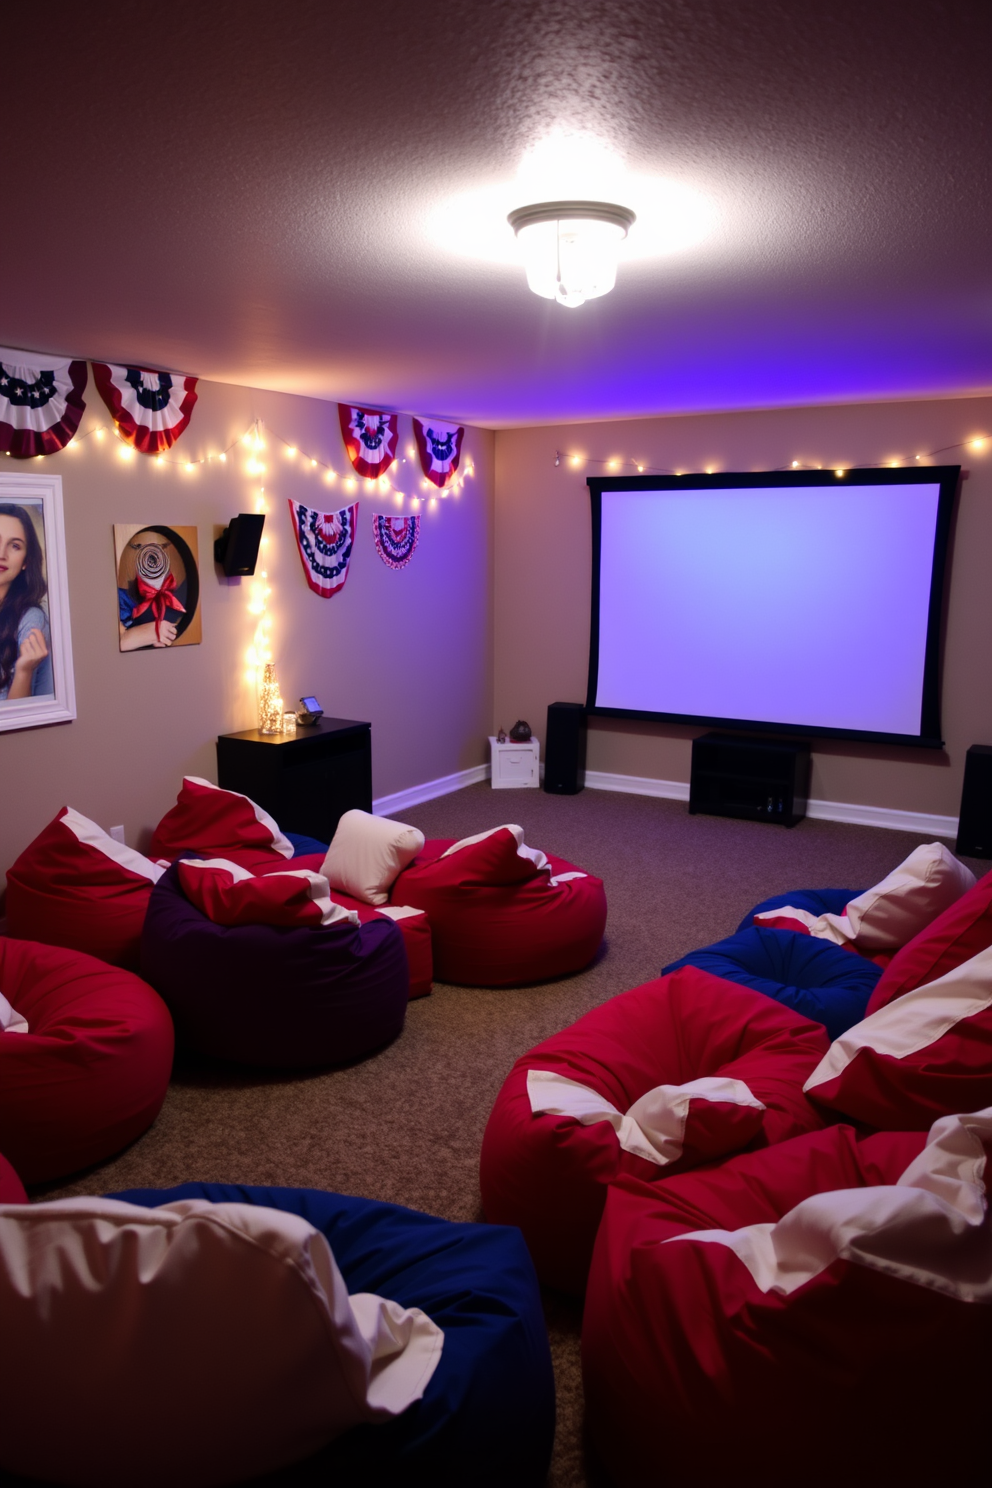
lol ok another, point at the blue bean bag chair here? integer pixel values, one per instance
(303, 846)
(814, 977)
(816, 901)
(287, 997)
(488, 1414)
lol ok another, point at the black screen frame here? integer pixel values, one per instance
(948, 477)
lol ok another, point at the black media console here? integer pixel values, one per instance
(306, 780)
(756, 779)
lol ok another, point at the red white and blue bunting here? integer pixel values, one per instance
(325, 541)
(396, 539)
(150, 409)
(41, 402)
(440, 447)
(369, 437)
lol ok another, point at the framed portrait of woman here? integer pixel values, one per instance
(36, 681)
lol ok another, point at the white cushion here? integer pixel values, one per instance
(368, 853)
(195, 1343)
(887, 916)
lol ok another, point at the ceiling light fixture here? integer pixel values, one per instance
(571, 248)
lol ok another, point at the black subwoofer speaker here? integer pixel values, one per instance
(565, 749)
(975, 822)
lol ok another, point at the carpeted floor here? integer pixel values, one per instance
(407, 1124)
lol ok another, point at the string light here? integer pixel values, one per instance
(977, 442)
(251, 440)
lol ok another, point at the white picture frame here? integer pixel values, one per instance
(41, 496)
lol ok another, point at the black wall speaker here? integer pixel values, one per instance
(236, 550)
(565, 749)
(975, 823)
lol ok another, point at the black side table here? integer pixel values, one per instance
(306, 780)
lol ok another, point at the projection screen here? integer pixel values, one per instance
(805, 602)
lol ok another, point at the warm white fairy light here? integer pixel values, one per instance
(270, 706)
(251, 440)
(977, 442)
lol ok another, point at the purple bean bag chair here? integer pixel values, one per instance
(274, 995)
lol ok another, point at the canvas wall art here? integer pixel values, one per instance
(158, 586)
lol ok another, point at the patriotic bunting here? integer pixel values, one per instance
(370, 438)
(396, 539)
(325, 541)
(151, 409)
(41, 402)
(440, 447)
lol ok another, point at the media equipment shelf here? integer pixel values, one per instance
(753, 779)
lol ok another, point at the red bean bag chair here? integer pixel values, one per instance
(90, 1074)
(964, 929)
(219, 823)
(673, 1074)
(75, 886)
(503, 914)
(816, 1313)
(11, 1187)
(923, 1055)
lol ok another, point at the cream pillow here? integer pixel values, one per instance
(368, 853)
(195, 1343)
(887, 916)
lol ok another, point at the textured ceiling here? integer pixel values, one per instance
(251, 193)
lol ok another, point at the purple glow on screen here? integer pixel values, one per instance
(804, 606)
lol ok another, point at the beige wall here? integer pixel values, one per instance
(543, 560)
(410, 650)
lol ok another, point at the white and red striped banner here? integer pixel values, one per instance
(150, 409)
(395, 538)
(440, 447)
(369, 437)
(325, 541)
(41, 402)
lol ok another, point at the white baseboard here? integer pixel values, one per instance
(838, 811)
(638, 785)
(884, 816)
(678, 790)
(429, 791)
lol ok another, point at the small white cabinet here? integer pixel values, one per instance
(516, 766)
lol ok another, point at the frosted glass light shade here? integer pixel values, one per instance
(570, 249)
